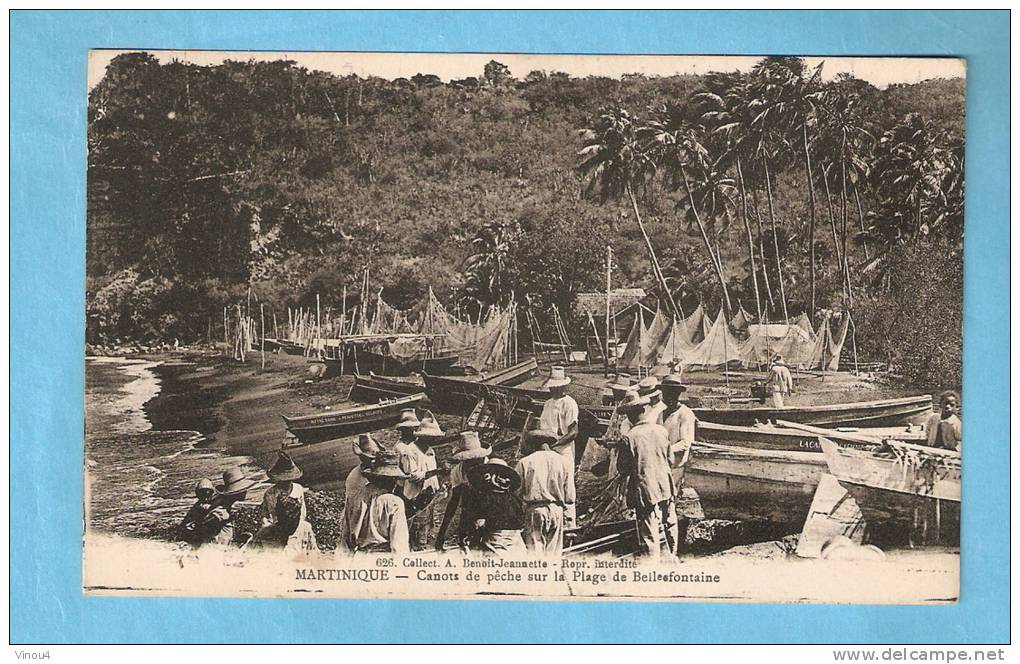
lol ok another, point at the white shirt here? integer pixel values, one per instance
(413, 460)
(545, 478)
(557, 416)
(680, 426)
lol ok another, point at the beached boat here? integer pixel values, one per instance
(796, 437)
(372, 388)
(885, 413)
(754, 484)
(459, 394)
(387, 364)
(903, 490)
(350, 421)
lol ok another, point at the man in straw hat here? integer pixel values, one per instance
(679, 420)
(366, 450)
(284, 512)
(559, 416)
(407, 425)
(468, 452)
(547, 490)
(780, 380)
(649, 387)
(418, 461)
(650, 489)
(496, 510)
(618, 388)
(234, 489)
(377, 523)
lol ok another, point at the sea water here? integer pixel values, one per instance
(139, 480)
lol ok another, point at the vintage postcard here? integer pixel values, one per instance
(386, 325)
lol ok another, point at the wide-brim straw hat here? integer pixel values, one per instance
(387, 466)
(408, 419)
(620, 384)
(284, 469)
(494, 477)
(470, 447)
(557, 377)
(367, 447)
(647, 385)
(673, 382)
(429, 429)
(538, 437)
(633, 401)
(235, 482)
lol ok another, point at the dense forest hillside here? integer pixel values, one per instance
(207, 181)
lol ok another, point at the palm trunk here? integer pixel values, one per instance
(811, 225)
(775, 239)
(844, 279)
(860, 218)
(844, 213)
(750, 239)
(716, 259)
(761, 249)
(651, 253)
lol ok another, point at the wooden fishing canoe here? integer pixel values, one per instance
(884, 413)
(459, 394)
(350, 421)
(372, 388)
(800, 437)
(905, 491)
(753, 484)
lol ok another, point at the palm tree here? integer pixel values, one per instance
(846, 142)
(796, 105)
(769, 108)
(723, 107)
(676, 145)
(615, 163)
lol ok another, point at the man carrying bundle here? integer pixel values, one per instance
(559, 416)
(650, 489)
(547, 491)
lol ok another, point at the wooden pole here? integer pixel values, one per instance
(318, 326)
(262, 320)
(609, 287)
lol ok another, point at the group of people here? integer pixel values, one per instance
(390, 496)
(283, 515)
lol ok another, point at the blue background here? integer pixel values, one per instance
(48, 97)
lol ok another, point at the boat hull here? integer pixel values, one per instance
(458, 395)
(887, 412)
(771, 486)
(904, 499)
(311, 429)
(372, 388)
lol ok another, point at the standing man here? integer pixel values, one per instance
(650, 490)
(679, 420)
(377, 523)
(944, 428)
(356, 484)
(618, 388)
(781, 381)
(406, 426)
(559, 415)
(547, 491)
(418, 462)
(649, 387)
